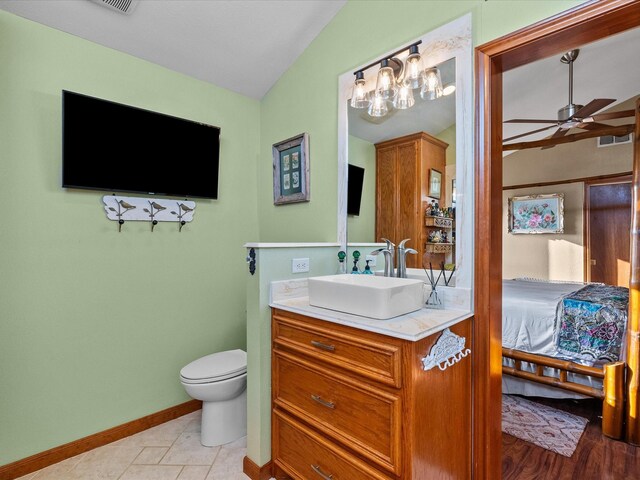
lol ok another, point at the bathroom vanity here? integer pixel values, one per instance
(351, 403)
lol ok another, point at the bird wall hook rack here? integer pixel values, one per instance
(121, 209)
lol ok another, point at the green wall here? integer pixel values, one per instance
(362, 228)
(95, 324)
(305, 99)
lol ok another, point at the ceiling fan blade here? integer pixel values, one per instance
(561, 132)
(528, 133)
(609, 116)
(592, 125)
(530, 120)
(593, 106)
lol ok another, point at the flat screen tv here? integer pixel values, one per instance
(354, 190)
(119, 148)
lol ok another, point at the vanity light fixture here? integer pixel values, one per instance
(395, 83)
(432, 87)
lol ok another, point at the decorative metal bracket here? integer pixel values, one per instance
(448, 350)
(251, 260)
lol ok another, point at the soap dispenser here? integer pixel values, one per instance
(367, 269)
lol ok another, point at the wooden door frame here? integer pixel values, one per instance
(581, 25)
(586, 223)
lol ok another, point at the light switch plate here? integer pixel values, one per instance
(299, 265)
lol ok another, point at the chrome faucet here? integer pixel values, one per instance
(402, 258)
(388, 253)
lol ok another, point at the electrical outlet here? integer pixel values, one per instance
(372, 260)
(299, 265)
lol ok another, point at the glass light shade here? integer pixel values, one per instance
(386, 84)
(379, 107)
(413, 73)
(359, 96)
(404, 98)
(432, 87)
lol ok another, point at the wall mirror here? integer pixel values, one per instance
(373, 150)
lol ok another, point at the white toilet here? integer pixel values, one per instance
(220, 381)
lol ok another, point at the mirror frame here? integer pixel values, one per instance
(452, 40)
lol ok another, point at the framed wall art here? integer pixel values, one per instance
(536, 214)
(435, 183)
(291, 170)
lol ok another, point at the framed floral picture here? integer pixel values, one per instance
(291, 170)
(536, 214)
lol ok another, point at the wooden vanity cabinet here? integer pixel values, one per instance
(402, 191)
(350, 404)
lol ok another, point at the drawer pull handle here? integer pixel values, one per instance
(319, 471)
(323, 346)
(319, 399)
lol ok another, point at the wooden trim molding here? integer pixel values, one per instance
(633, 322)
(583, 24)
(40, 460)
(254, 472)
(611, 178)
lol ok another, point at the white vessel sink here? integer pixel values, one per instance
(366, 295)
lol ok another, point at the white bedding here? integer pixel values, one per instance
(529, 313)
(528, 318)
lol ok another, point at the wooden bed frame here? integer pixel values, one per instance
(611, 394)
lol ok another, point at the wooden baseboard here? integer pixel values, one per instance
(71, 449)
(254, 472)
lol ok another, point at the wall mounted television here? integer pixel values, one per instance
(354, 189)
(118, 148)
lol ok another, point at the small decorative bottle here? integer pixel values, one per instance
(356, 257)
(342, 265)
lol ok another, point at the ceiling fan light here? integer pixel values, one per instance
(432, 87)
(404, 98)
(413, 70)
(378, 107)
(360, 96)
(386, 84)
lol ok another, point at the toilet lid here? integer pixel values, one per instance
(217, 366)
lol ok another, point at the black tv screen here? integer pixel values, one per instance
(354, 190)
(119, 148)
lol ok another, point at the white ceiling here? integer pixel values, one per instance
(244, 46)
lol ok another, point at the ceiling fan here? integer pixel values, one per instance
(572, 115)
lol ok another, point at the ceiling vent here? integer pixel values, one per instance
(122, 6)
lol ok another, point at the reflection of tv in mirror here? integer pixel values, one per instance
(354, 192)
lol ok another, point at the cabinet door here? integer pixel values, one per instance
(386, 198)
(408, 198)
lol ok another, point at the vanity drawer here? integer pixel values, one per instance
(361, 354)
(305, 455)
(362, 417)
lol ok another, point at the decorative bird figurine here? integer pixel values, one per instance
(185, 208)
(157, 206)
(126, 205)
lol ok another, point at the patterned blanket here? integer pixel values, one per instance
(591, 324)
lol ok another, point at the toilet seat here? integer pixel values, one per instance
(215, 367)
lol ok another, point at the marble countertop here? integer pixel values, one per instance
(292, 296)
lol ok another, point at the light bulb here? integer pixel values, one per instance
(379, 107)
(413, 73)
(448, 89)
(404, 98)
(359, 95)
(386, 84)
(432, 87)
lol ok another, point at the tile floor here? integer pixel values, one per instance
(171, 451)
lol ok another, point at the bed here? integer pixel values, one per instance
(565, 340)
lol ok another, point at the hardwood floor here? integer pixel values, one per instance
(596, 458)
